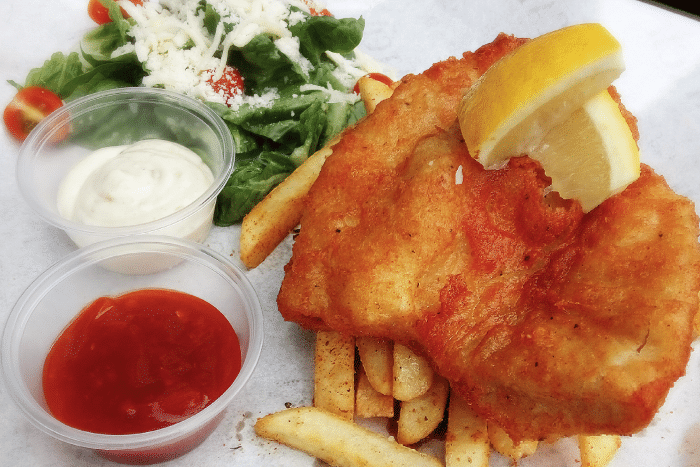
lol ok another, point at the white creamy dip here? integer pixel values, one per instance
(134, 184)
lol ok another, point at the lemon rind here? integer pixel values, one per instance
(587, 48)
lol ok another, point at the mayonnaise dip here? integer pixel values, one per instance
(133, 184)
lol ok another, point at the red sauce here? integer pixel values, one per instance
(139, 362)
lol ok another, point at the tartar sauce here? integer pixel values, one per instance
(128, 185)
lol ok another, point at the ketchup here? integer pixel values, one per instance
(139, 362)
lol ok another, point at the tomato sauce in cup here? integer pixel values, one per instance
(140, 361)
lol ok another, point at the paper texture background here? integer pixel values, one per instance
(661, 86)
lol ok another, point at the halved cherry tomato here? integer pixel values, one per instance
(229, 85)
(323, 12)
(30, 106)
(100, 14)
(314, 11)
(382, 78)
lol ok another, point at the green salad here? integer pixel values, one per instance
(298, 70)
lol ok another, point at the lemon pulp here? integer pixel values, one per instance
(592, 155)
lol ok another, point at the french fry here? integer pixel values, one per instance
(368, 402)
(598, 451)
(421, 415)
(467, 440)
(377, 359)
(334, 373)
(337, 441)
(413, 374)
(271, 220)
(502, 444)
(373, 92)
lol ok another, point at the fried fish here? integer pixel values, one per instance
(548, 321)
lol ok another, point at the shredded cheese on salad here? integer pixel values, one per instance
(178, 52)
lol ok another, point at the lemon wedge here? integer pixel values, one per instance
(592, 155)
(540, 84)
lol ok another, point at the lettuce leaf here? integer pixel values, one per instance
(249, 184)
(56, 73)
(298, 123)
(67, 76)
(106, 38)
(321, 33)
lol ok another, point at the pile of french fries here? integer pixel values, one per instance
(391, 375)
(388, 376)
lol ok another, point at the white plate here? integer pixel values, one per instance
(661, 86)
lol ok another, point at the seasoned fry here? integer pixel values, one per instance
(413, 374)
(337, 441)
(598, 451)
(503, 445)
(467, 440)
(420, 416)
(271, 220)
(334, 374)
(373, 92)
(368, 402)
(378, 361)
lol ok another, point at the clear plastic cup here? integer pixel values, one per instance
(49, 304)
(118, 117)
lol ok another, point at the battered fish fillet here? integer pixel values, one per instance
(550, 322)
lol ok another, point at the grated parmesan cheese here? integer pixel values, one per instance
(290, 47)
(180, 54)
(334, 95)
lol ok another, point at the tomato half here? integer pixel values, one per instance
(100, 13)
(323, 12)
(29, 106)
(314, 12)
(229, 85)
(381, 77)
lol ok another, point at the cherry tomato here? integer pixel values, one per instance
(229, 85)
(323, 12)
(382, 78)
(29, 106)
(100, 14)
(314, 11)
